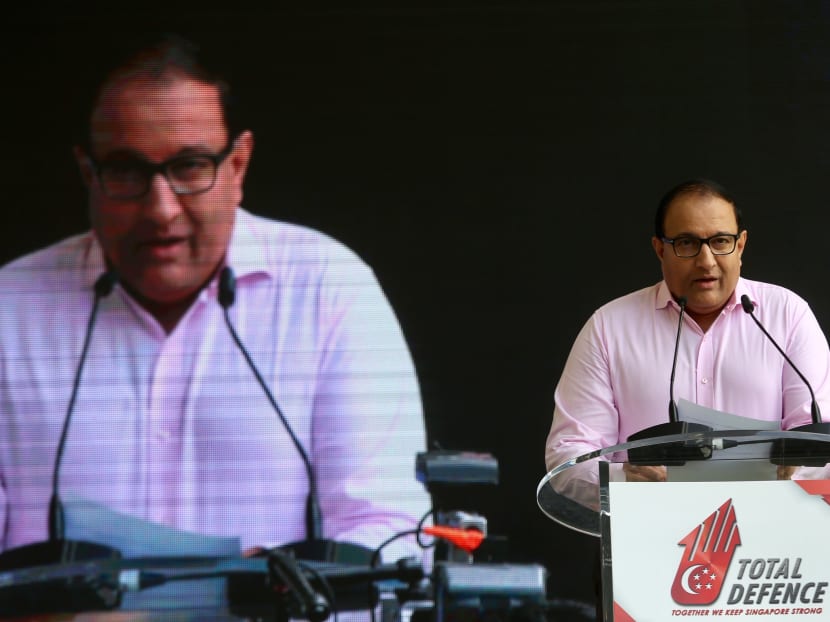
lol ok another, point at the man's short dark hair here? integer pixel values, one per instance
(156, 57)
(703, 187)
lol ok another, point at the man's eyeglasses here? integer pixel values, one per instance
(688, 246)
(130, 178)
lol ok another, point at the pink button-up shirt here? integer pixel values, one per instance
(616, 379)
(173, 428)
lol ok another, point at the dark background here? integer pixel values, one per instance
(498, 164)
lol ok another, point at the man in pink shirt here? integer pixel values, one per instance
(616, 380)
(170, 424)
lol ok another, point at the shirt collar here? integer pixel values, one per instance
(664, 297)
(741, 289)
(246, 253)
(94, 263)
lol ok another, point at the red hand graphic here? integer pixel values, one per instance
(708, 551)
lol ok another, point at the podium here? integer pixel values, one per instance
(722, 536)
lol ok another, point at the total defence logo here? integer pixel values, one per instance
(708, 551)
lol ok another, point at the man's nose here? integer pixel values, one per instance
(705, 257)
(163, 204)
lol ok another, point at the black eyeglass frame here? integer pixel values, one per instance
(150, 170)
(701, 242)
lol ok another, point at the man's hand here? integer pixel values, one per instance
(785, 472)
(254, 551)
(635, 473)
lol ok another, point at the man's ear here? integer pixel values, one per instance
(241, 155)
(239, 158)
(741, 242)
(659, 247)
(84, 165)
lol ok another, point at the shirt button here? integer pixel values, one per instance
(705, 381)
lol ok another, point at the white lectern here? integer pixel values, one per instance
(721, 537)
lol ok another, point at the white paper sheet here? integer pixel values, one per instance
(134, 537)
(748, 462)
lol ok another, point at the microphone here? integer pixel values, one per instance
(748, 307)
(796, 452)
(66, 595)
(227, 296)
(672, 404)
(314, 547)
(103, 287)
(675, 453)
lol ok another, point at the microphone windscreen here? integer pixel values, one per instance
(746, 303)
(105, 283)
(227, 287)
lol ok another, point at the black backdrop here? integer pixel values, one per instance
(496, 163)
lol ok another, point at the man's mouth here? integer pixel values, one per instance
(706, 281)
(163, 248)
(169, 240)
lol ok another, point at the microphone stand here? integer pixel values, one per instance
(671, 454)
(789, 451)
(65, 595)
(314, 547)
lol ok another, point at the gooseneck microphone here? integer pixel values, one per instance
(796, 452)
(227, 296)
(65, 594)
(748, 307)
(103, 287)
(674, 453)
(672, 404)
